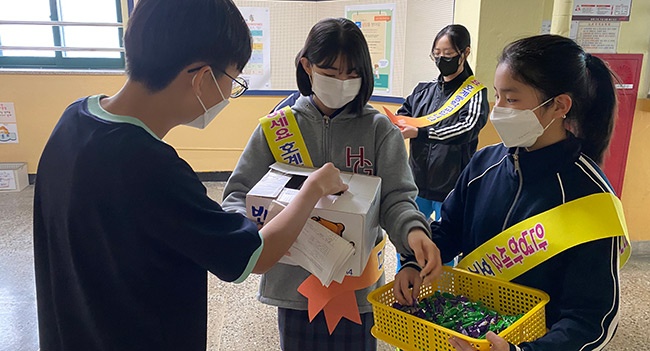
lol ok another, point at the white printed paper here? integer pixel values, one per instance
(318, 250)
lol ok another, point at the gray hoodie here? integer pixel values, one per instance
(366, 143)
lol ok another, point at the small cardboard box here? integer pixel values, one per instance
(13, 176)
(354, 214)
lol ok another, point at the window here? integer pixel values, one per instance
(73, 34)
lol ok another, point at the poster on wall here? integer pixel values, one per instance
(595, 36)
(376, 23)
(258, 69)
(601, 10)
(8, 126)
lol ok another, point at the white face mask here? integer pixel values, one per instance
(206, 117)
(517, 127)
(334, 93)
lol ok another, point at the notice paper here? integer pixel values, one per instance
(318, 250)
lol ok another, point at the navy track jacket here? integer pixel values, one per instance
(501, 187)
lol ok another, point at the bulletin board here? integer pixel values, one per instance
(419, 20)
(290, 22)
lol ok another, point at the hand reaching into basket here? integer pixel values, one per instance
(406, 287)
(498, 343)
(426, 253)
(418, 270)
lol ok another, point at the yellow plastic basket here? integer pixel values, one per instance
(412, 333)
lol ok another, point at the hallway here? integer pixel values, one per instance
(236, 321)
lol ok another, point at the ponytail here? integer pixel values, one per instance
(596, 123)
(556, 65)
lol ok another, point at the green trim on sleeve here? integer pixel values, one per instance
(251, 262)
(96, 109)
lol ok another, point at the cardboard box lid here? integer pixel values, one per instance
(358, 199)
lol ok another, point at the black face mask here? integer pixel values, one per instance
(447, 66)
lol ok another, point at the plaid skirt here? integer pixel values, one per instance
(298, 334)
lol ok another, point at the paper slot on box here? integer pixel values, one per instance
(352, 216)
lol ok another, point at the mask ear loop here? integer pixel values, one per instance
(543, 103)
(309, 75)
(218, 87)
(549, 124)
(197, 96)
(464, 55)
(553, 120)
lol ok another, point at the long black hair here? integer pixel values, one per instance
(556, 65)
(459, 39)
(328, 39)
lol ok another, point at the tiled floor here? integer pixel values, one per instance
(236, 320)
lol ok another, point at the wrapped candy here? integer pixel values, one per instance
(459, 313)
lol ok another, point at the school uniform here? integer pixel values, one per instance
(504, 186)
(124, 234)
(441, 151)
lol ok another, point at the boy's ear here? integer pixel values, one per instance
(306, 65)
(197, 79)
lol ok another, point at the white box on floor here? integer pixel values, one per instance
(354, 214)
(13, 176)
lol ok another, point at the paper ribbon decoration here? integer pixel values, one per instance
(338, 300)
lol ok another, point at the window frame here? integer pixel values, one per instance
(59, 62)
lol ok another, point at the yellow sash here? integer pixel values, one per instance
(470, 87)
(538, 238)
(338, 300)
(284, 138)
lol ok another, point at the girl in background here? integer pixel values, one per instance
(441, 151)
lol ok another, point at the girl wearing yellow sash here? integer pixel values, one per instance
(336, 124)
(440, 150)
(554, 112)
